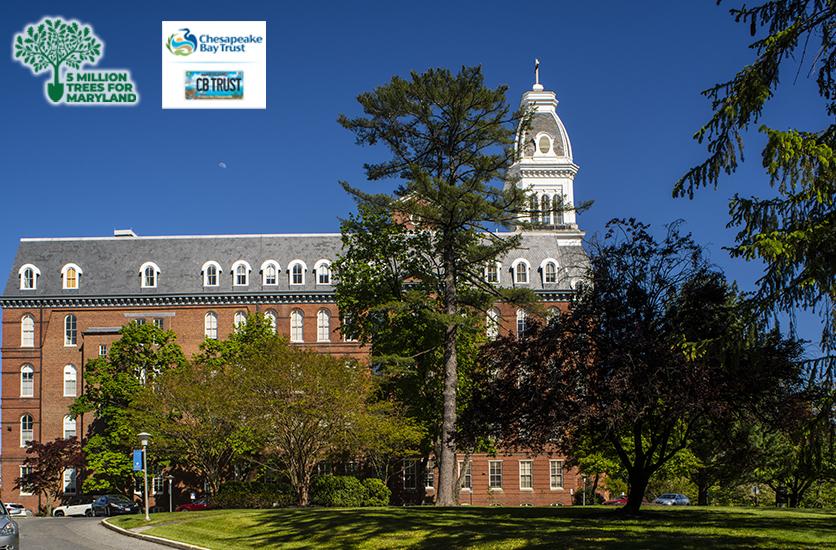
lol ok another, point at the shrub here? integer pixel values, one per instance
(377, 493)
(251, 494)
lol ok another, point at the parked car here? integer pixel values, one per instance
(620, 501)
(112, 505)
(77, 506)
(9, 532)
(200, 504)
(18, 510)
(672, 499)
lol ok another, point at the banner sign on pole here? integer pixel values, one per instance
(138, 460)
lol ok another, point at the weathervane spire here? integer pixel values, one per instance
(537, 86)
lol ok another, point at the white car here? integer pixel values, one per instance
(17, 510)
(672, 499)
(78, 506)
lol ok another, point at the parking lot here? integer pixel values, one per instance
(74, 534)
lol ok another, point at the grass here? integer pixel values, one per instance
(427, 527)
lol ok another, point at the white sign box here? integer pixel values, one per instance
(214, 64)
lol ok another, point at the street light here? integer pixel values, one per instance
(143, 439)
(583, 477)
(170, 478)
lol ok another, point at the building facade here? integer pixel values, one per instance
(66, 298)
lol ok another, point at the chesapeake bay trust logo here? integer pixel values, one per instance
(62, 48)
(204, 63)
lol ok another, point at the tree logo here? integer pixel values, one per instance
(183, 43)
(55, 46)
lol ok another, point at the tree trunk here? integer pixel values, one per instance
(702, 488)
(447, 464)
(635, 494)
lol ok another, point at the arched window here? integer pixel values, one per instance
(210, 325)
(557, 202)
(270, 273)
(549, 268)
(27, 429)
(240, 319)
(27, 381)
(29, 277)
(492, 272)
(70, 276)
(27, 331)
(521, 323)
(149, 272)
(272, 318)
(545, 210)
(211, 274)
(297, 319)
(241, 273)
(69, 427)
(297, 272)
(322, 268)
(323, 326)
(535, 214)
(521, 268)
(492, 323)
(70, 330)
(70, 381)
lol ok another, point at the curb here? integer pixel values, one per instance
(151, 538)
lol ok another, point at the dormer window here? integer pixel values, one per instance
(211, 274)
(520, 268)
(270, 273)
(70, 276)
(241, 273)
(29, 277)
(492, 273)
(549, 269)
(149, 273)
(297, 272)
(323, 272)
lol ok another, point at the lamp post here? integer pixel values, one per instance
(143, 438)
(584, 489)
(170, 479)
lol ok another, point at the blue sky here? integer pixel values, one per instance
(627, 75)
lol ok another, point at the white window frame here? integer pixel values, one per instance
(210, 325)
(522, 320)
(70, 342)
(22, 491)
(493, 320)
(297, 332)
(290, 267)
(323, 263)
(102, 350)
(497, 270)
(27, 390)
(410, 465)
(546, 214)
(537, 152)
(36, 273)
(553, 476)
(544, 267)
(467, 478)
(239, 319)
(247, 270)
(205, 272)
(71, 484)
(429, 477)
(272, 318)
(530, 466)
(275, 265)
(323, 329)
(492, 474)
(70, 424)
(78, 274)
(515, 273)
(143, 277)
(27, 331)
(73, 372)
(30, 432)
(558, 207)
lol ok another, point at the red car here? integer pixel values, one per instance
(193, 506)
(620, 501)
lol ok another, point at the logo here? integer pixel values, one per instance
(55, 46)
(214, 84)
(181, 43)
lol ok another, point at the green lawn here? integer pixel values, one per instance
(426, 527)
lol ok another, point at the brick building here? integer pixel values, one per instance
(66, 298)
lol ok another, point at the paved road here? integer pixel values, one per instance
(75, 534)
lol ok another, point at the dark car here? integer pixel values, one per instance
(112, 505)
(195, 506)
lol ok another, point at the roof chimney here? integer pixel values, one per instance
(124, 233)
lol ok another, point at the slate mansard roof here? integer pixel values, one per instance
(110, 268)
